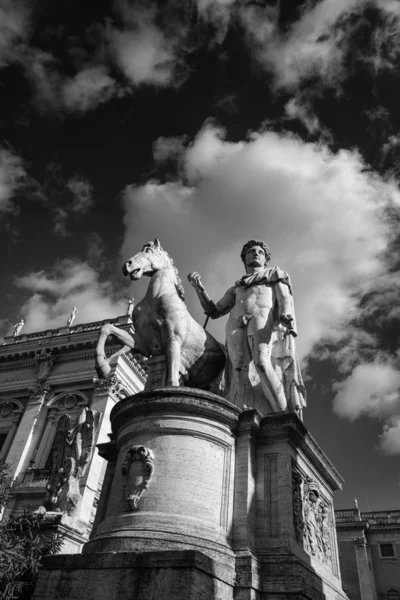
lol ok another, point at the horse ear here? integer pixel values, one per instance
(157, 243)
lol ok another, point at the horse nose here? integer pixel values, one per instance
(125, 267)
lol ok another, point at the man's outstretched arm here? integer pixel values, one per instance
(210, 308)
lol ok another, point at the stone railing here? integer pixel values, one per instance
(382, 517)
(373, 518)
(50, 333)
(348, 514)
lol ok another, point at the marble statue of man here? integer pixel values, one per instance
(72, 316)
(263, 370)
(18, 327)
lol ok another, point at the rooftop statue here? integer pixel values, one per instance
(72, 316)
(262, 370)
(130, 307)
(18, 327)
(163, 325)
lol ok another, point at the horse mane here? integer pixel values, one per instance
(178, 285)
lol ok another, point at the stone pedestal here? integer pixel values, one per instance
(203, 500)
(167, 504)
(284, 533)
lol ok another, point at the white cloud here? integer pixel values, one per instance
(142, 50)
(316, 44)
(320, 212)
(309, 48)
(54, 293)
(12, 175)
(82, 191)
(371, 390)
(88, 88)
(295, 109)
(14, 28)
(390, 437)
(168, 148)
(217, 12)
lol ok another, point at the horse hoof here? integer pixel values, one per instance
(106, 329)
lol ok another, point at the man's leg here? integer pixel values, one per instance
(260, 347)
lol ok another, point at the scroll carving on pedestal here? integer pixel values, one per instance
(311, 518)
(137, 470)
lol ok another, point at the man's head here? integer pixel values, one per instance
(252, 254)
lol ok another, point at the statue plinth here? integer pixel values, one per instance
(284, 533)
(203, 501)
(173, 478)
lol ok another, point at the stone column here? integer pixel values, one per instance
(244, 507)
(19, 453)
(10, 437)
(107, 392)
(365, 574)
(46, 440)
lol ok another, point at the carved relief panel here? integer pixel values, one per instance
(137, 470)
(312, 518)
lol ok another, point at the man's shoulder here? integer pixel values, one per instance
(275, 273)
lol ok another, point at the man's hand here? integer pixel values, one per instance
(195, 280)
(287, 321)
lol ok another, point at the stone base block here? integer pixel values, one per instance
(284, 533)
(186, 575)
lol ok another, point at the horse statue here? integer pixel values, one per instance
(163, 325)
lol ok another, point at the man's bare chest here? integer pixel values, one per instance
(256, 296)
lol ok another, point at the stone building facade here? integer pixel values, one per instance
(369, 553)
(46, 375)
(49, 374)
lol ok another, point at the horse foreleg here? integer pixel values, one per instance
(173, 356)
(102, 363)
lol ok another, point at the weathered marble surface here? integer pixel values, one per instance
(163, 325)
(72, 450)
(223, 510)
(171, 575)
(263, 370)
(187, 437)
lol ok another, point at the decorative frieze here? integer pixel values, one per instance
(137, 470)
(312, 518)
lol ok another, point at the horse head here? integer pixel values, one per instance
(150, 259)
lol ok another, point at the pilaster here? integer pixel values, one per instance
(31, 421)
(365, 573)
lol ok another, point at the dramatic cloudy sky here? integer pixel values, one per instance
(207, 123)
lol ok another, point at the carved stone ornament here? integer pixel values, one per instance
(72, 450)
(39, 392)
(44, 364)
(360, 541)
(311, 518)
(111, 384)
(137, 470)
(298, 520)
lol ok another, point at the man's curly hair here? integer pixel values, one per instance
(252, 243)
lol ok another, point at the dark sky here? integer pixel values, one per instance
(207, 123)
